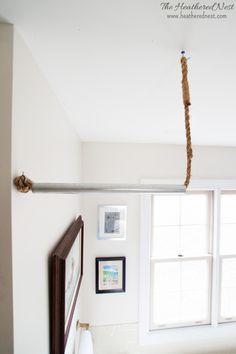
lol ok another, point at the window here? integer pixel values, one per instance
(191, 259)
(228, 258)
(181, 260)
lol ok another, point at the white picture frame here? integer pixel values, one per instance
(112, 222)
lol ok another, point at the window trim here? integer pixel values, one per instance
(147, 336)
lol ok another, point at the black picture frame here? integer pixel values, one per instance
(66, 272)
(110, 275)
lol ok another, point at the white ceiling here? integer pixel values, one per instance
(114, 65)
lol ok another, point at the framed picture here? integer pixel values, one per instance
(112, 222)
(66, 271)
(110, 275)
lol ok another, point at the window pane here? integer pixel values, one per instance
(228, 224)
(166, 308)
(167, 276)
(228, 208)
(180, 292)
(194, 275)
(194, 240)
(166, 293)
(166, 210)
(195, 290)
(228, 290)
(194, 306)
(165, 241)
(194, 209)
(228, 239)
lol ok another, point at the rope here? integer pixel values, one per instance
(186, 101)
(23, 184)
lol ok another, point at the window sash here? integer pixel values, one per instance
(208, 225)
(209, 259)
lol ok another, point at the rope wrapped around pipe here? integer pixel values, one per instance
(23, 184)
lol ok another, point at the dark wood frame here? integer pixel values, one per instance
(58, 332)
(99, 259)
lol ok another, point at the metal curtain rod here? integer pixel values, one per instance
(105, 188)
(24, 185)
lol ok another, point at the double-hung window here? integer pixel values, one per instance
(181, 260)
(188, 253)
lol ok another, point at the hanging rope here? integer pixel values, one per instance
(23, 184)
(187, 103)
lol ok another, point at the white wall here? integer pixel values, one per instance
(129, 163)
(46, 148)
(6, 319)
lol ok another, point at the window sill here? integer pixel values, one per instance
(187, 334)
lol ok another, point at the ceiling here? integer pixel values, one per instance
(114, 66)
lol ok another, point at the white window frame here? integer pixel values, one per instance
(209, 331)
(208, 256)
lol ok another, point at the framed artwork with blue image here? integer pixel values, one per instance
(110, 275)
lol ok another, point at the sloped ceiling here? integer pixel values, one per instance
(114, 66)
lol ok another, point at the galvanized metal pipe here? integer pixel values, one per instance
(70, 188)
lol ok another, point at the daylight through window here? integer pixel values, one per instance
(181, 260)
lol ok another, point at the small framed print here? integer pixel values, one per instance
(112, 222)
(110, 275)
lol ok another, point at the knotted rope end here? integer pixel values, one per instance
(23, 184)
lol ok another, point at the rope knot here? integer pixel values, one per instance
(23, 184)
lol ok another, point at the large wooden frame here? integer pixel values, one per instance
(66, 271)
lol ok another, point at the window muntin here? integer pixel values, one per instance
(180, 257)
